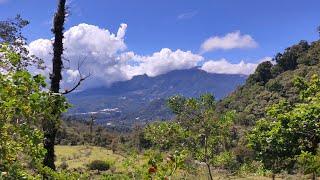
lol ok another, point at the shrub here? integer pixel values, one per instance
(115, 177)
(64, 165)
(99, 165)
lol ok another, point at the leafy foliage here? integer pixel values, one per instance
(13, 44)
(197, 129)
(262, 74)
(157, 165)
(24, 106)
(289, 130)
(309, 162)
(251, 100)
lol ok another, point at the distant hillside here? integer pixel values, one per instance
(142, 98)
(271, 83)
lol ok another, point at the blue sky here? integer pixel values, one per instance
(183, 24)
(154, 24)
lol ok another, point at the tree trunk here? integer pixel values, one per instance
(273, 176)
(50, 127)
(314, 176)
(50, 132)
(209, 170)
(206, 156)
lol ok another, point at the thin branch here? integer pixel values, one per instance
(77, 85)
(82, 78)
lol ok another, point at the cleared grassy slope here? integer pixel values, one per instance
(77, 157)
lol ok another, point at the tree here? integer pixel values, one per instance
(289, 59)
(309, 163)
(197, 129)
(262, 74)
(50, 127)
(289, 129)
(23, 106)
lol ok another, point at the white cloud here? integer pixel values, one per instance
(222, 66)
(232, 40)
(187, 15)
(97, 47)
(267, 58)
(105, 56)
(91, 40)
(41, 48)
(72, 75)
(162, 62)
(122, 31)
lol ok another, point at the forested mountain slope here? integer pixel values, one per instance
(273, 82)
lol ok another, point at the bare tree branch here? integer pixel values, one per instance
(82, 78)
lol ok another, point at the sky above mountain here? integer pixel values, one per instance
(118, 39)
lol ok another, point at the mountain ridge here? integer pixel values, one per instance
(143, 98)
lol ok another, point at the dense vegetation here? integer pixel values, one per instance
(268, 126)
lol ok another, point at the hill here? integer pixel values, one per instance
(273, 82)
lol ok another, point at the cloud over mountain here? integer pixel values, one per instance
(105, 56)
(162, 62)
(222, 66)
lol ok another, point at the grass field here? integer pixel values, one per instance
(77, 157)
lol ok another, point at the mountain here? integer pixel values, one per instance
(143, 98)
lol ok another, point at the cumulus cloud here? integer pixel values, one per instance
(104, 55)
(234, 40)
(97, 48)
(162, 62)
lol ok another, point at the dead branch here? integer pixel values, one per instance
(81, 79)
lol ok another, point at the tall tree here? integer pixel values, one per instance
(50, 126)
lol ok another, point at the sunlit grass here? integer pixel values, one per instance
(77, 157)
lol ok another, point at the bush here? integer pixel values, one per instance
(115, 177)
(253, 168)
(64, 174)
(99, 165)
(64, 165)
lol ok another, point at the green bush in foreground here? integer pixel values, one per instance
(290, 130)
(24, 106)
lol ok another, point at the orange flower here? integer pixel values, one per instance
(152, 170)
